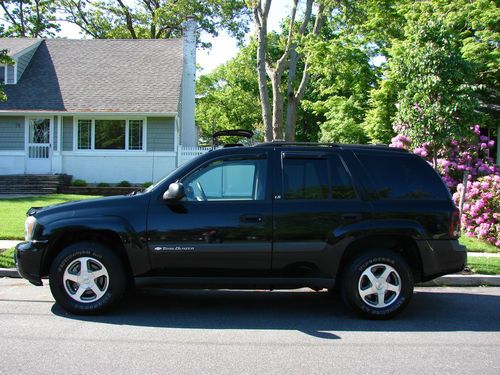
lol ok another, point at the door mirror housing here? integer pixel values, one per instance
(175, 192)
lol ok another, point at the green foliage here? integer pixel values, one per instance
(381, 112)
(436, 100)
(161, 19)
(29, 18)
(343, 78)
(124, 183)
(103, 184)
(147, 184)
(228, 97)
(4, 59)
(79, 182)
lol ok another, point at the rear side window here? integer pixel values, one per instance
(403, 177)
(305, 178)
(341, 182)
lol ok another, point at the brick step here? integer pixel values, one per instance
(32, 184)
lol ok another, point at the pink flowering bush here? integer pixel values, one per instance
(458, 157)
(481, 211)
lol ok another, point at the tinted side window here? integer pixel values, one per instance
(341, 182)
(305, 178)
(228, 180)
(403, 177)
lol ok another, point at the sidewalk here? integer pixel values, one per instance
(7, 244)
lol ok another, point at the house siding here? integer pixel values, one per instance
(67, 134)
(161, 131)
(23, 62)
(12, 131)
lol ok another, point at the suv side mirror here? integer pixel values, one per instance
(175, 192)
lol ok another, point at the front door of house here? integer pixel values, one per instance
(38, 151)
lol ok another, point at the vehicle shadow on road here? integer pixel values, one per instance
(315, 314)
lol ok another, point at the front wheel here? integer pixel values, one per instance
(378, 284)
(87, 278)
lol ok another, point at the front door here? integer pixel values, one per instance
(223, 227)
(38, 151)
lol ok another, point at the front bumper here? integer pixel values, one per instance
(441, 257)
(28, 257)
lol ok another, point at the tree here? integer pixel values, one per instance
(474, 26)
(436, 100)
(288, 60)
(29, 18)
(228, 97)
(4, 59)
(155, 19)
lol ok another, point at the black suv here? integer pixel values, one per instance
(369, 221)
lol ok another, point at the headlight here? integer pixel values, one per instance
(29, 227)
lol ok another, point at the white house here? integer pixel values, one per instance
(100, 110)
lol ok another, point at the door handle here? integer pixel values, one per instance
(352, 217)
(251, 218)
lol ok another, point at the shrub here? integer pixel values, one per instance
(124, 183)
(103, 184)
(481, 211)
(457, 157)
(78, 182)
(147, 184)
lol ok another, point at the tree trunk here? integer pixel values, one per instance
(260, 19)
(277, 105)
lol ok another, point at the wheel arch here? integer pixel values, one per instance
(401, 244)
(63, 239)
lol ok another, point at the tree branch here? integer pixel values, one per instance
(280, 64)
(128, 17)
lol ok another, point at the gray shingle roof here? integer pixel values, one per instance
(100, 76)
(16, 45)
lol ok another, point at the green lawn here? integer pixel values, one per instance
(13, 212)
(476, 246)
(484, 265)
(6, 259)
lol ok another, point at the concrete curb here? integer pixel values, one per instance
(9, 272)
(449, 280)
(464, 280)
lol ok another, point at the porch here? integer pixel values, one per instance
(95, 148)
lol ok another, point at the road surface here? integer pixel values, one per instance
(443, 330)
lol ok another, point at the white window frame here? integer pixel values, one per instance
(93, 150)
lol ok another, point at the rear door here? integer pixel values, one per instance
(315, 205)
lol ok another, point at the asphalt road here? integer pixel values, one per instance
(444, 330)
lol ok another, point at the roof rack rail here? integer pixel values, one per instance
(336, 145)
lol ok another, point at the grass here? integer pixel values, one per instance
(13, 212)
(477, 246)
(484, 265)
(7, 259)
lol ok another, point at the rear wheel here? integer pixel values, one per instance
(87, 278)
(378, 284)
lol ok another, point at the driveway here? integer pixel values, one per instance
(444, 330)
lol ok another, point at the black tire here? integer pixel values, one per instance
(99, 259)
(355, 281)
